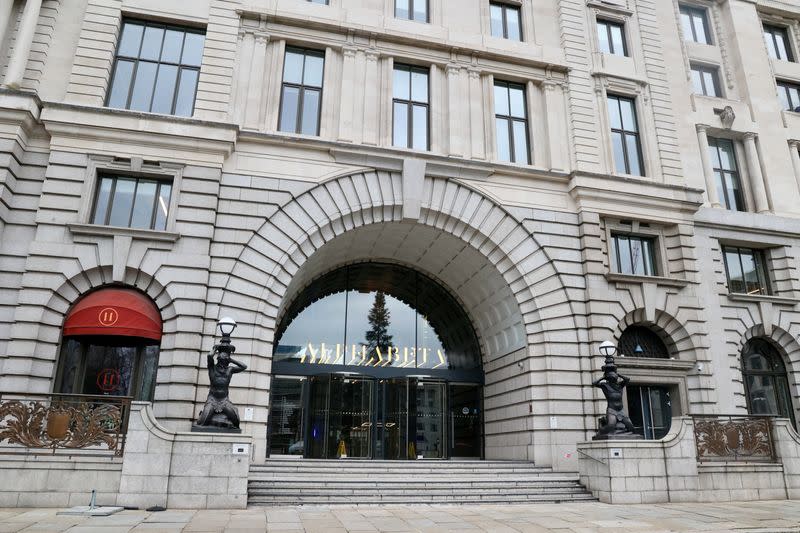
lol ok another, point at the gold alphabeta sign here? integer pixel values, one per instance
(362, 355)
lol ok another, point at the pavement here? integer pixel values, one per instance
(763, 516)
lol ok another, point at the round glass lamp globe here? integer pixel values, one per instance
(608, 349)
(226, 325)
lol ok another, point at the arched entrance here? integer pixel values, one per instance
(376, 360)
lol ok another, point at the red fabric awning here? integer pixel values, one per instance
(113, 311)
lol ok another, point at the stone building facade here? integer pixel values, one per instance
(665, 126)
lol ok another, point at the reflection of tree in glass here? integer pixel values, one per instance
(378, 334)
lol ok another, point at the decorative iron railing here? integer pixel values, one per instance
(73, 423)
(733, 438)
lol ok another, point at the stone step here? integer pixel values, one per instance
(416, 484)
(406, 499)
(399, 491)
(415, 469)
(403, 477)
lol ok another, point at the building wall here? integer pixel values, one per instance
(259, 213)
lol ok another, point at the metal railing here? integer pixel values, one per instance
(72, 423)
(733, 438)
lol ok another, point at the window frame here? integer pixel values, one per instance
(713, 143)
(695, 11)
(760, 260)
(625, 134)
(775, 30)
(784, 87)
(115, 177)
(505, 7)
(510, 119)
(411, 4)
(711, 70)
(779, 376)
(616, 258)
(607, 23)
(301, 87)
(137, 60)
(409, 104)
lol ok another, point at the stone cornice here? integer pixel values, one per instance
(742, 223)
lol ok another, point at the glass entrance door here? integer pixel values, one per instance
(465, 420)
(350, 417)
(392, 420)
(427, 399)
(650, 410)
(286, 422)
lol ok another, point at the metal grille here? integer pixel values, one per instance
(639, 341)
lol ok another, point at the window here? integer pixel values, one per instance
(765, 383)
(301, 93)
(611, 37)
(746, 270)
(411, 10)
(650, 408)
(705, 80)
(625, 135)
(777, 39)
(156, 68)
(633, 254)
(132, 202)
(323, 2)
(726, 173)
(511, 122)
(505, 21)
(789, 93)
(410, 107)
(641, 341)
(695, 24)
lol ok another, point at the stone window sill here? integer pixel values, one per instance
(654, 363)
(111, 231)
(762, 298)
(658, 280)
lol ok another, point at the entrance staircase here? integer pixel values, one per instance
(352, 481)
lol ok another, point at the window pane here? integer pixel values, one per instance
(419, 86)
(503, 142)
(143, 204)
(151, 44)
(749, 272)
(619, 152)
(713, 153)
(496, 15)
(700, 28)
(727, 157)
(400, 134)
(617, 40)
(421, 10)
(734, 192)
(780, 42)
(293, 67)
(143, 86)
(602, 35)
(628, 114)
(512, 20)
(771, 50)
(500, 100)
(697, 82)
(633, 155)
(637, 256)
(312, 74)
(173, 42)
(420, 123)
(520, 143)
(625, 263)
(121, 84)
(193, 49)
(401, 9)
(122, 202)
(310, 112)
(735, 279)
(165, 89)
(613, 113)
(710, 83)
(130, 40)
(686, 22)
(184, 103)
(648, 250)
(401, 84)
(517, 97)
(101, 203)
(289, 103)
(162, 209)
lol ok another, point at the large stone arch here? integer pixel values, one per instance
(676, 338)
(519, 333)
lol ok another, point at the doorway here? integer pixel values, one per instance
(650, 409)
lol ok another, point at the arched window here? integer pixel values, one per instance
(110, 345)
(640, 341)
(765, 383)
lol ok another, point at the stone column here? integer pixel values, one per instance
(454, 101)
(372, 91)
(5, 18)
(794, 149)
(255, 93)
(243, 85)
(556, 131)
(348, 81)
(22, 46)
(476, 120)
(708, 171)
(754, 170)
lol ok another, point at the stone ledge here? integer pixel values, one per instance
(111, 231)
(658, 280)
(780, 300)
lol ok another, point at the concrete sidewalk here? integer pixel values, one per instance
(772, 516)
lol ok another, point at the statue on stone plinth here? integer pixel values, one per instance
(219, 413)
(616, 424)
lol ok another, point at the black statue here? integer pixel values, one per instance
(219, 413)
(616, 424)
